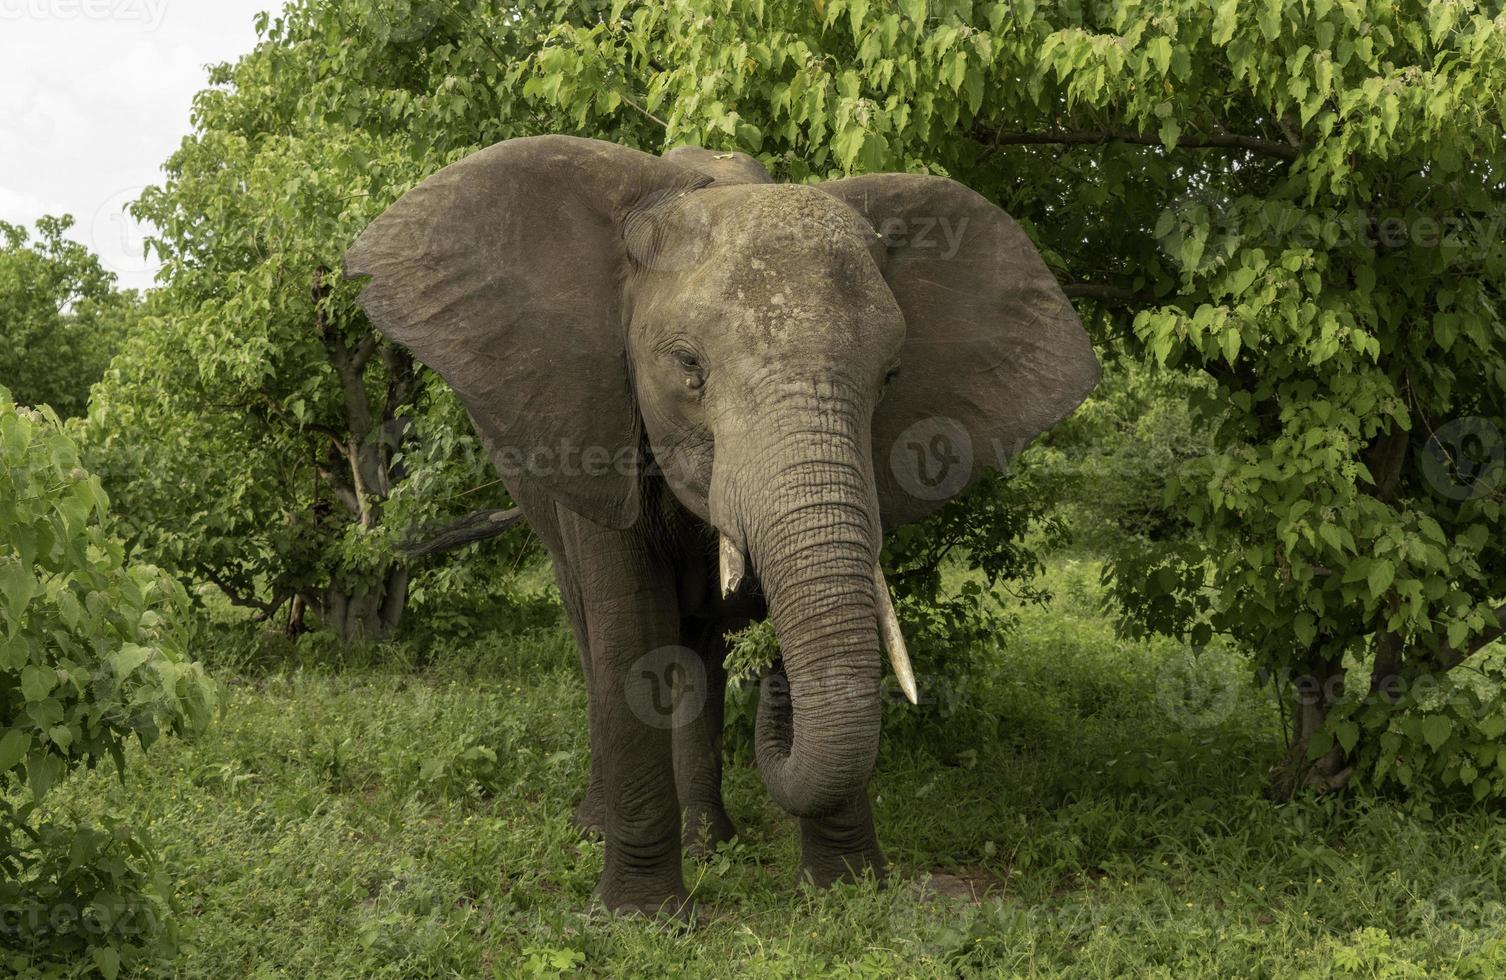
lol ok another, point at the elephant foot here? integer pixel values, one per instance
(590, 816)
(672, 905)
(830, 868)
(842, 847)
(706, 828)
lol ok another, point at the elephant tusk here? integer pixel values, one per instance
(733, 567)
(894, 640)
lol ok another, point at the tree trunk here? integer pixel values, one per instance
(1314, 693)
(369, 614)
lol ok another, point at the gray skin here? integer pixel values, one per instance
(658, 351)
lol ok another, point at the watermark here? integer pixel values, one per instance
(1198, 229)
(1193, 694)
(1465, 459)
(566, 459)
(1470, 901)
(677, 235)
(400, 21)
(667, 688)
(1197, 694)
(118, 237)
(148, 13)
(32, 920)
(1203, 229)
(932, 459)
(938, 234)
(671, 238)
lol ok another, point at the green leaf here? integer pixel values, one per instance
(1382, 573)
(1225, 16)
(130, 657)
(61, 735)
(858, 11)
(17, 586)
(1436, 730)
(1348, 734)
(1230, 341)
(38, 682)
(108, 962)
(1170, 132)
(13, 748)
(1159, 51)
(43, 771)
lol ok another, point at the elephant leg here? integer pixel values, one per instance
(698, 745)
(633, 622)
(841, 847)
(590, 813)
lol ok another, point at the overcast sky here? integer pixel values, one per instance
(94, 97)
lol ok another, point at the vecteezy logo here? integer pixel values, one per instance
(932, 459)
(674, 238)
(1198, 231)
(1472, 901)
(401, 21)
(119, 239)
(1465, 459)
(1194, 692)
(667, 688)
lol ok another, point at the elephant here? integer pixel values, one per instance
(711, 394)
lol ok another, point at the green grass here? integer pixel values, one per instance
(414, 823)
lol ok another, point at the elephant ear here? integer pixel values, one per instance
(504, 273)
(993, 354)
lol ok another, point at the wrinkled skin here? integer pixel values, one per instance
(662, 352)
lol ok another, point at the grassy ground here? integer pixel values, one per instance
(1077, 808)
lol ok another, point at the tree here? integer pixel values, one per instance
(1298, 206)
(92, 653)
(267, 455)
(61, 317)
(286, 453)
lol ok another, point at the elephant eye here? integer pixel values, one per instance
(891, 374)
(695, 371)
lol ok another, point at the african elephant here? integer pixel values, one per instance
(710, 393)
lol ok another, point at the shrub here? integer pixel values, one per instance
(92, 653)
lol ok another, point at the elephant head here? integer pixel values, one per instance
(803, 365)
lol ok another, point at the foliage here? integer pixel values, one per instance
(1113, 834)
(1228, 189)
(262, 456)
(93, 653)
(1113, 456)
(1295, 206)
(61, 317)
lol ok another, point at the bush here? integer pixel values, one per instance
(92, 652)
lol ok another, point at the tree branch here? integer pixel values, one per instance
(1450, 658)
(1233, 141)
(481, 525)
(1104, 292)
(273, 606)
(634, 103)
(236, 597)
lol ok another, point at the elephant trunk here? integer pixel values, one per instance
(813, 541)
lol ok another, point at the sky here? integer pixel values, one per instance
(94, 97)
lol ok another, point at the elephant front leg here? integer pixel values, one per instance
(590, 814)
(633, 625)
(633, 710)
(841, 847)
(698, 742)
